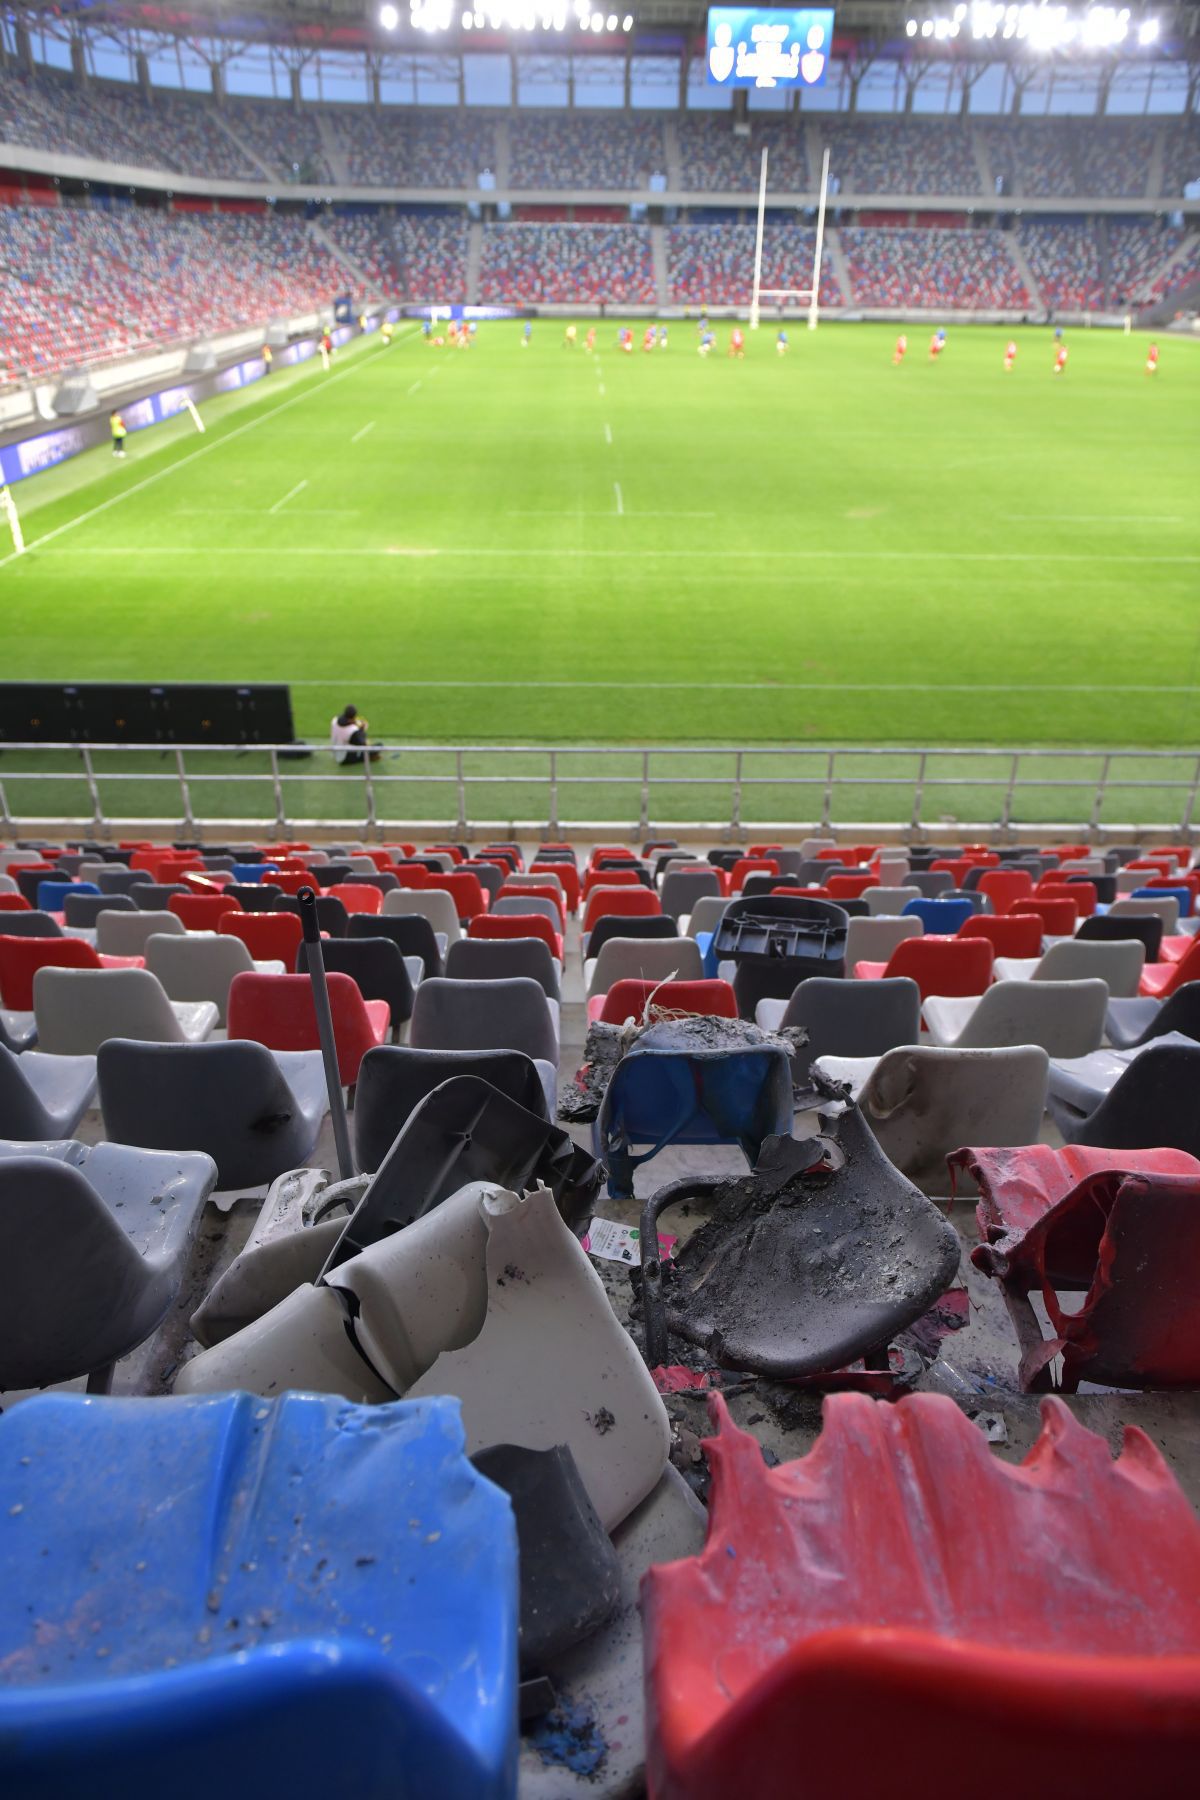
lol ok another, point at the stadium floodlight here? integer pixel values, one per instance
(389, 18)
(627, 22)
(610, 24)
(1148, 31)
(1042, 27)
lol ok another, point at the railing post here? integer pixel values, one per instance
(1185, 824)
(919, 792)
(735, 821)
(1006, 809)
(1098, 802)
(369, 789)
(277, 791)
(827, 802)
(189, 823)
(552, 823)
(6, 818)
(92, 787)
(460, 793)
(644, 814)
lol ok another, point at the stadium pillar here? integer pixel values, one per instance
(373, 81)
(216, 71)
(24, 47)
(79, 68)
(628, 77)
(143, 74)
(294, 79)
(685, 57)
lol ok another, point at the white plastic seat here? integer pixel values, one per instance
(77, 1010)
(125, 933)
(434, 904)
(1158, 906)
(1118, 963)
(1065, 1017)
(642, 959)
(705, 916)
(874, 939)
(198, 966)
(889, 899)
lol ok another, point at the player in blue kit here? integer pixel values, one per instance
(528, 333)
(781, 342)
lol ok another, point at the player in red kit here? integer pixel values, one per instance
(901, 350)
(1010, 355)
(1152, 359)
(1060, 359)
(737, 342)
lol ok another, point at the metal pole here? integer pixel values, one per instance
(277, 790)
(758, 240)
(92, 786)
(814, 304)
(320, 993)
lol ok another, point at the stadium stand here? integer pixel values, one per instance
(1031, 159)
(584, 153)
(1065, 259)
(527, 263)
(713, 264)
(168, 132)
(892, 157)
(286, 140)
(714, 160)
(1136, 254)
(386, 149)
(932, 268)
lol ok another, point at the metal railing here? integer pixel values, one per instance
(279, 787)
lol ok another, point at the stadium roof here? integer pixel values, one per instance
(355, 23)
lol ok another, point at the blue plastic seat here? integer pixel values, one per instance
(50, 894)
(1182, 894)
(941, 916)
(252, 871)
(238, 1597)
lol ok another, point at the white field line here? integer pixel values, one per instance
(620, 501)
(721, 553)
(1099, 518)
(412, 390)
(360, 435)
(602, 390)
(607, 432)
(790, 687)
(215, 443)
(290, 495)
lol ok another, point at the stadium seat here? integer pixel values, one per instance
(1010, 934)
(201, 912)
(255, 1111)
(874, 939)
(846, 1018)
(332, 918)
(619, 902)
(684, 884)
(751, 865)
(1065, 1017)
(888, 1612)
(152, 896)
(517, 925)
(532, 890)
(1075, 959)
(1005, 886)
(939, 916)
(395, 1078)
(14, 903)
(1133, 1022)
(490, 876)
(1130, 1100)
(197, 967)
(621, 875)
(890, 900)
(468, 897)
(43, 1097)
(81, 911)
(567, 874)
(95, 1244)
(954, 966)
(514, 905)
(1059, 916)
(128, 933)
(1104, 928)
(930, 883)
(500, 959)
(78, 1009)
(32, 923)
(356, 899)
(411, 933)
(51, 895)
(850, 887)
(278, 1011)
(642, 959)
(377, 967)
(628, 1000)
(484, 1015)
(21, 958)
(1160, 980)
(923, 1101)
(427, 903)
(268, 937)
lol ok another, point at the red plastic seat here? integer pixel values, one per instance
(1010, 934)
(357, 896)
(900, 1602)
(465, 890)
(1160, 979)
(269, 937)
(278, 1011)
(380, 858)
(636, 902)
(567, 874)
(610, 878)
(202, 912)
(1003, 887)
(399, 852)
(14, 903)
(955, 866)
(848, 887)
(290, 882)
(1081, 894)
(1059, 917)
(602, 850)
(412, 874)
(981, 856)
(750, 865)
(517, 925)
(838, 853)
(22, 957)
(450, 850)
(954, 966)
(627, 1000)
(553, 894)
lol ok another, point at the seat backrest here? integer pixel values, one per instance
(197, 968)
(873, 940)
(629, 999)
(332, 917)
(1010, 934)
(1120, 964)
(52, 894)
(77, 1009)
(22, 1114)
(930, 882)
(706, 914)
(922, 1102)
(567, 874)
(522, 886)
(1065, 1017)
(1003, 886)
(278, 1010)
(891, 900)
(1152, 1106)
(483, 1015)
(645, 959)
(684, 885)
(1081, 894)
(519, 905)
(395, 1078)
(201, 912)
(1185, 970)
(433, 904)
(375, 964)
(850, 887)
(358, 897)
(1105, 928)
(411, 933)
(953, 966)
(853, 1018)
(31, 922)
(80, 911)
(21, 958)
(516, 925)
(468, 897)
(938, 916)
(127, 933)
(1059, 917)
(499, 959)
(620, 902)
(72, 1280)
(656, 926)
(270, 936)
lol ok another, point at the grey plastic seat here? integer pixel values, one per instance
(411, 933)
(1133, 1022)
(923, 1102)
(484, 1015)
(128, 933)
(512, 906)
(874, 939)
(706, 915)
(8, 885)
(846, 1018)
(80, 911)
(77, 1010)
(44, 1096)
(615, 925)
(376, 965)
(332, 917)
(491, 876)
(200, 966)
(115, 879)
(499, 959)
(394, 1078)
(890, 900)
(1104, 928)
(643, 959)
(154, 896)
(255, 1112)
(1065, 1017)
(253, 896)
(30, 924)
(433, 904)
(378, 878)
(1138, 1099)
(1158, 906)
(1075, 959)
(683, 886)
(930, 884)
(543, 878)
(93, 1246)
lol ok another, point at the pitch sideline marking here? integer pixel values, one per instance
(359, 435)
(607, 432)
(721, 552)
(620, 500)
(789, 687)
(412, 390)
(201, 450)
(290, 495)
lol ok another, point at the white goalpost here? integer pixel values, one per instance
(811, 294)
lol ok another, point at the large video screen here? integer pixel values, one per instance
(754, 49)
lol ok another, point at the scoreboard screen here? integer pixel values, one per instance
(751, 48)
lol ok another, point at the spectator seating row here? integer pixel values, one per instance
(932, 268)
(713, 264)
(524, 264)
(1065, 259)
(584, 152)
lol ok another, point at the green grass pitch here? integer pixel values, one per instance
(538, 545)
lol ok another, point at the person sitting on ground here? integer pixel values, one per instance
(349, 735)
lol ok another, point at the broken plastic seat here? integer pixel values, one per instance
(1131, 1023)
(1126, 1233)
(843, 1634)
(692, 1081)
(819, 1257)
(241, 1597)
(94, 1245)
(491, 1298)
(394, 1078)
(44, 1096)
(1161, 980)
(1065, 1017)
(1130, 1099)
(923, 1101)
(629, 1000)
(776, 941)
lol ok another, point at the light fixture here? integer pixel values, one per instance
(627, 22)
(610, 24)
(1148, 31)
(389, 18)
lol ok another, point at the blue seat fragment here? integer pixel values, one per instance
(223, 1598)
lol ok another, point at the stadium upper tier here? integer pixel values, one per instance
(423, 148)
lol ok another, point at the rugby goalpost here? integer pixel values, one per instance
(811, 294)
